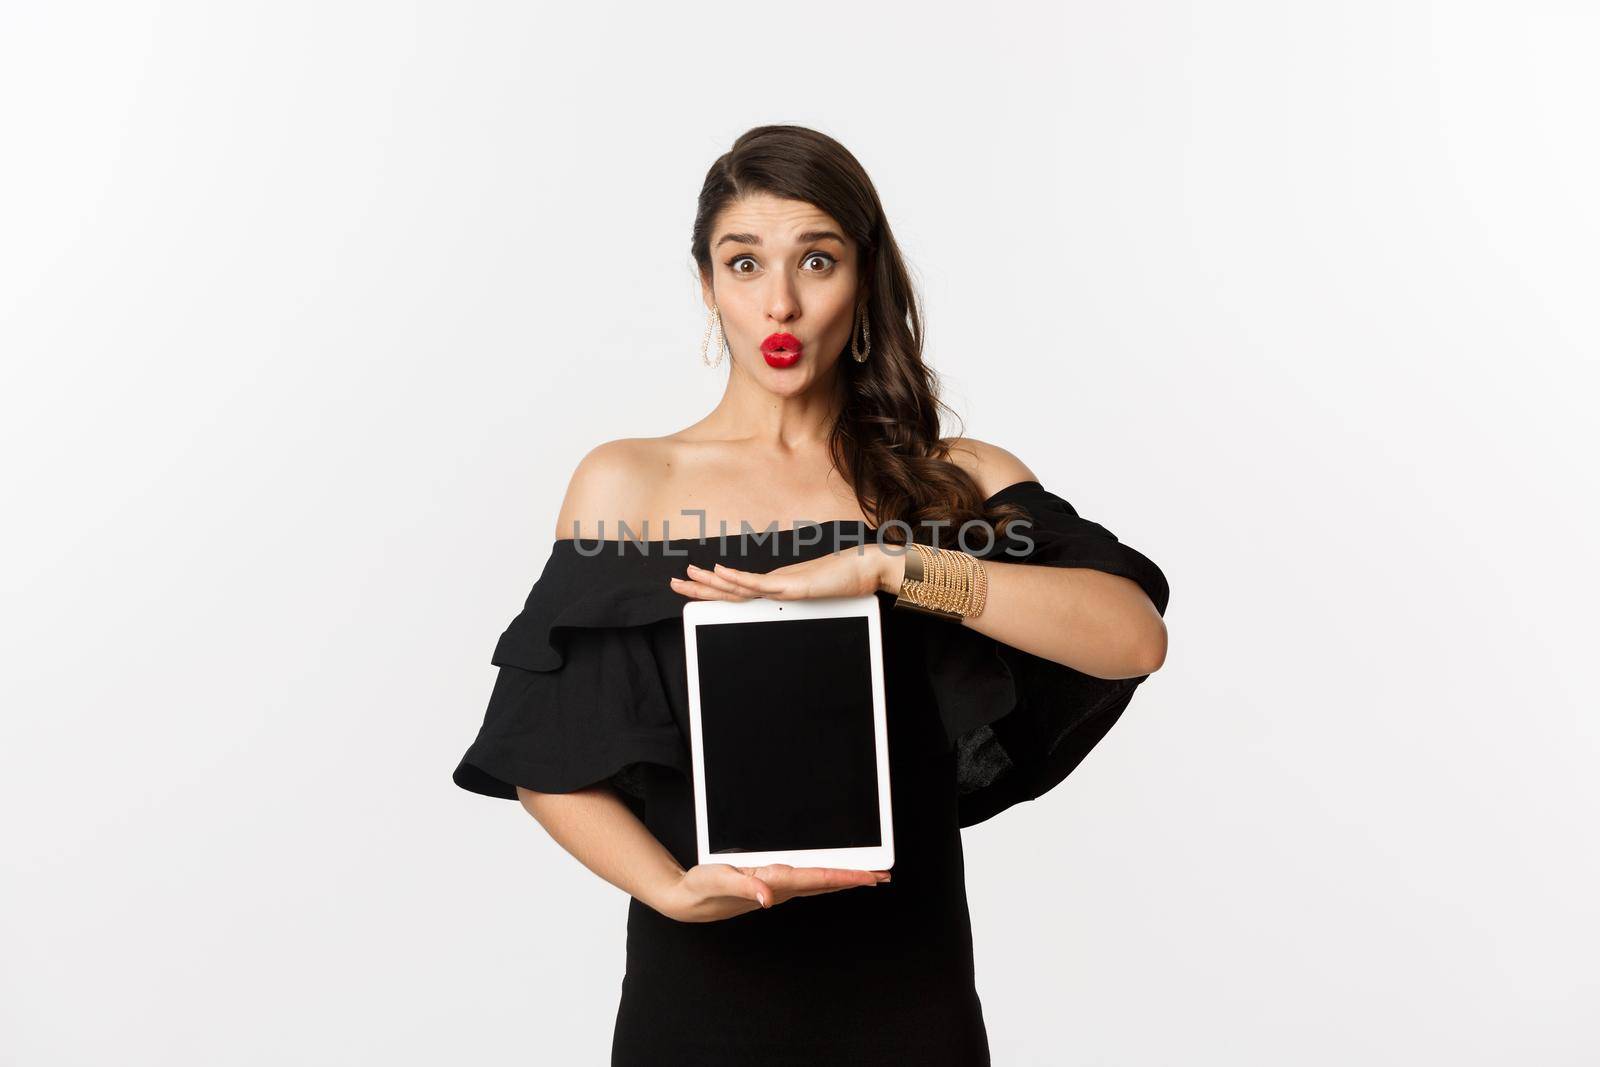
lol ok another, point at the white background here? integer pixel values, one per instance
(308, 310)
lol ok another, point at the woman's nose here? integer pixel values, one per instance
(783, 302)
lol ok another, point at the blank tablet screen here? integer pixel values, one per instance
(787, 735)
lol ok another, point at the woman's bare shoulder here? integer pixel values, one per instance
(612, 484)
(991, 466)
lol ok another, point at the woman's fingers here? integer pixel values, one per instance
(759, 584)
(826, 878)
(715, 581)
(784, 583)
(775, 883)
(810, 881)
(710, 889)
(846, 572)
(700, 590)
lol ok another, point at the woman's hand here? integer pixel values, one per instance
(853, 571)
(712, 891)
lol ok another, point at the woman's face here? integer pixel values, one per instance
(783, 267)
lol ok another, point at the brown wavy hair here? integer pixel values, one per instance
(886, 440)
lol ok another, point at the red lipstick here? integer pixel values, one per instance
(782, 350)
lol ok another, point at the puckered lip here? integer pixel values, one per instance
(788, 342)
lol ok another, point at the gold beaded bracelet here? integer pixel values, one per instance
(943, 582)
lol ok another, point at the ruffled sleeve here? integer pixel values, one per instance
(1020, 723)
(581, 696)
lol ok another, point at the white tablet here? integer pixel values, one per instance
(789, 736)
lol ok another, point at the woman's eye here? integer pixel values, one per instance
(828, 262)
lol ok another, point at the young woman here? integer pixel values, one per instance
(1009, 650)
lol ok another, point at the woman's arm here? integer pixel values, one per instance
(597, 827)
(1101, 624)
(594, 824)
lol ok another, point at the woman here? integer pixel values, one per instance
(995, 690)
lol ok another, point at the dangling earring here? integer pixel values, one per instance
(714, 319)
(866, 334)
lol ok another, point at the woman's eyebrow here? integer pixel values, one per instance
(801, 238)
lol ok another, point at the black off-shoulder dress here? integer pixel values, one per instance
(592, 687)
